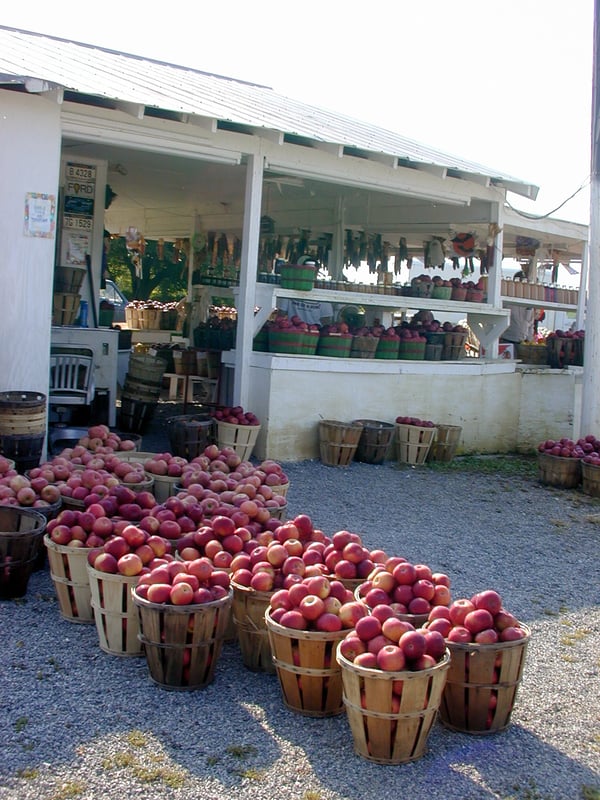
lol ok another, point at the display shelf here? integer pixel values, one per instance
(530, 303)
(486, 321)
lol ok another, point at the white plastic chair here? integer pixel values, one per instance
(71, 376)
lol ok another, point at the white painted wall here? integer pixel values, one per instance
(500, 409)
(30, 140)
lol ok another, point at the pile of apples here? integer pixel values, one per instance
(405, 587)
(100, 438)
(235, 415)
(294, 323)
(338, 329)
(564, 448)
(315, 604)
(420, 423)
(296, 549)
(130, 551)
(586, 448)
(480, 619)
(18, 490)
(391, 644)
(183, 583)
(165, 464)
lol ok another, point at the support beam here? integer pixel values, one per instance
(249, 260)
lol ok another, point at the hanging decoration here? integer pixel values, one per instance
(435, 255)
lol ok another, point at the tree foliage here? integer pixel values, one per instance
(156, 271)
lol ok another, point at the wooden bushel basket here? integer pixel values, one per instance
(564, 473)
(68, 570)
(375, 441)
(182, 643)
(308, 673)
(590, 479)
(21, 538)
(482, 684)
(413, 443)
(444, 446)
(241, 438)
(249, 607)
(115, 615)
(338, 442)
(388, 727)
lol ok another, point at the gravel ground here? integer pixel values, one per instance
(79, 723)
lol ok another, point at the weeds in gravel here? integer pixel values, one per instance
(241, 750)
(21, 724)
(529, 792)
(137, 738)
(508, 466)
(28, 773)
(310, 795)
(590, 793)
(70, 789)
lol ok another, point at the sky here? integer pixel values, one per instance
(506, 84)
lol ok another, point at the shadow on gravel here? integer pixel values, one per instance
(456, 765)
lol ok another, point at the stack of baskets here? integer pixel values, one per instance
(141, 391)
(67, 285)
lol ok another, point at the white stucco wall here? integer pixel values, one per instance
(500, 409)
(30, 141)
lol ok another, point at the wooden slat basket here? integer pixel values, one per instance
(182, 644)
(115, 615)
(249, 607)
(68, 570)
(482, 685)
(308, 673)
(338, 442)
(413, 443)
(391, 713)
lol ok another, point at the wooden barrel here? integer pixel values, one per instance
(22, 427)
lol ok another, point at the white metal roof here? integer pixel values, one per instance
(36, 60)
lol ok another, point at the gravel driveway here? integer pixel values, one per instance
(79, 723)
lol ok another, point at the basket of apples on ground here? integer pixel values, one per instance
(393, 676)
(409, 591)
(414, 438)
(559, 462)
(184, 610)
(304, 623)
(590, 465)
(129, 552)
(487, 646)
(237, 429)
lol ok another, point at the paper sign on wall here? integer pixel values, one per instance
(40, 215)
